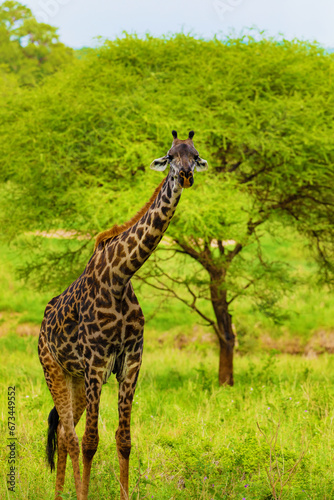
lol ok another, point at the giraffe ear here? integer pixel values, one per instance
(201, 165)
(159, 164)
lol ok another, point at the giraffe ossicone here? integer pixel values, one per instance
(95, 327)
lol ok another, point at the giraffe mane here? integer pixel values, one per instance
(118, 229)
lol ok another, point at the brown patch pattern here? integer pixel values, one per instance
(116, 229)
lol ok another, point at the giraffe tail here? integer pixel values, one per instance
(51, 445)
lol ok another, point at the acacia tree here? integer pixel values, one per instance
(28, 48)
(277, 166)
(225, 241)
(75, 154)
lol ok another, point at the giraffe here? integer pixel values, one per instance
(95, 327)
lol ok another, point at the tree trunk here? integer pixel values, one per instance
(224, 330)
(226, 362)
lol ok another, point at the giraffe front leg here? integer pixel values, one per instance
(90, 438)
(123, 434)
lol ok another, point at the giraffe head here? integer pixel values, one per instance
(183, 159)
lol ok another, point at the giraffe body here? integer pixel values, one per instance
(95, 328)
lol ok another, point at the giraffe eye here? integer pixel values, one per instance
(196, 157)
(169, 157)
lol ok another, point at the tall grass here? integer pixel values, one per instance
(191, 439)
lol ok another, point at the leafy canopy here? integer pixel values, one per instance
(28, 48)
(76, 149)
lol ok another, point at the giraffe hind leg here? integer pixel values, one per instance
(60, 386)
(61, 461)
(78, 407)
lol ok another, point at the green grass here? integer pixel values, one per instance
(191, 439)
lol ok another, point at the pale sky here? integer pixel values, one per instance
(81, 21)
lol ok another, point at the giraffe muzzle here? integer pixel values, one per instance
(186, 179)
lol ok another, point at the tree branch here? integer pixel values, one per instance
(164, 288)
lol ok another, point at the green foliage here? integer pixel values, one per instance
(76, 149)
(29, 49)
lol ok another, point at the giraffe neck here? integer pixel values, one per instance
(128, 251)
